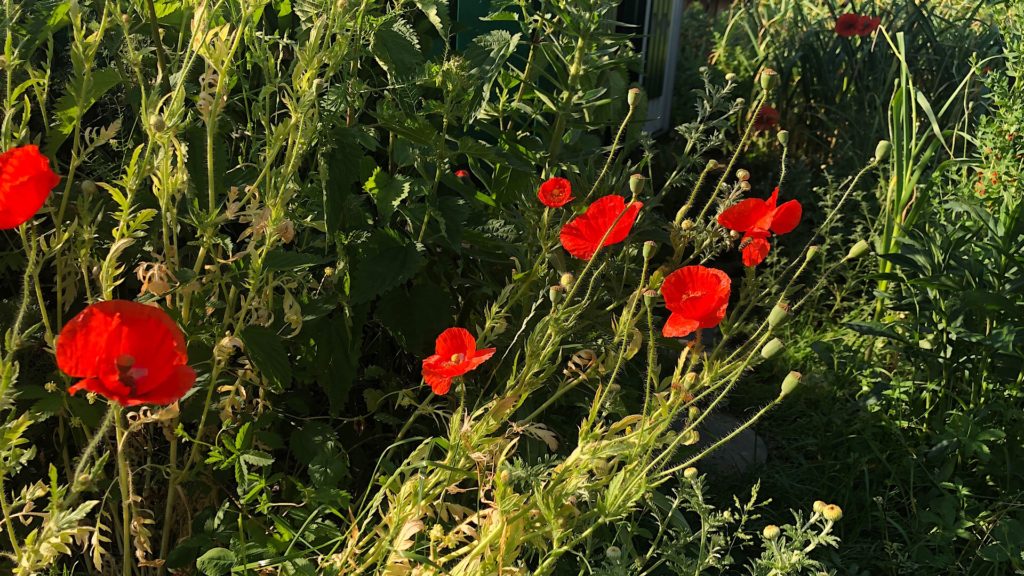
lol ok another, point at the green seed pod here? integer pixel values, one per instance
(790, 383)
(882, 150)
(555, 294)
(636, 184)
(812, 252)
(650, 247)
(769, 79)
(857, 250)
(771, 532)
(772, 348)
(779, 315)
(89, 187)
(632, 96)
(613, 553)
(649, 297)
(783, 137)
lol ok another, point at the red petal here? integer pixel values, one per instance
(438, 383)
(787, 217)
(744, 216)
(583, 235)
(697, 293)
(678, 326)
(755, 251)
(847, 25)
(455, 341)
(481, 357)
(25, 182)
(555, 192)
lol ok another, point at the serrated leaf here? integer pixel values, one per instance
(396, 49)
(384, 262)
(288, 260)
(387, 192)
(437, 12)
(216, 562)
(266, 351)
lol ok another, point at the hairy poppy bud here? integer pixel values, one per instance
(632, 96)
(650, 247)
(772, 348)
(741, 101)
(613, 553)
(743, 175)
(745, 186)
(812, 252)
(157, 123)
(882, 150)
(857, 250)
(771, 532)
(712, 164)
(690, 473)
(555, 294)
(769, 79)
(832, 513)
(89, 187)
(636, 184)
(566, 280)
(778, 316)
(730, 77)
(818, 506)
(686, 224)
(790, 383)
(783, 137)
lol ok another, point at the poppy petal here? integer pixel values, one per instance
(555, 192)
(755, 251)
(481, 356)
(605, 222)
(454, 341)
(787, 217)
(679, 326)
(744, 216)
(26, 181)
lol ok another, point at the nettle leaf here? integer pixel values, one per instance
(396, 48)
(436, 11)
(69, 109)
(383, 262)
(265, 350)
(487, 56)
(216, 562)
(387, 192)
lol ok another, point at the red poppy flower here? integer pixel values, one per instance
(867, 25)
(582, 235)
(758, 219)
(848, 25)
(767, 117)
(129, 352)
(462, 173)
(555, 192)
(25, 182)
(697, 297)
(455, 354)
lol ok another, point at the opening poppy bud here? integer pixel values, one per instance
(812, 252)
(636, 184)
(730, 77)
(769, 79)
(157, 123)
(632, 96)
(790, 383)
(778, 316)
(650, 247)
(818, 506)
(783, 137)
(772, 348)
(882, 150)
(89, 188)
(832, 513)
(743, 175)
(613, 553)
(690, 473)
(555, 294)
(857, 250)
(771, 532)
(566, 280)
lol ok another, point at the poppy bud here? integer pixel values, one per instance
(566, 280)
(89, 187)
(712, 164)
(771, 532)
(126, 19)
(783, 137)
(743, 175)
(730, 77)
(636, 184)
(555, 294)
(686, 224)
(613, 553)
(812, 252)
(650, 247)
(632, 96)
(790, 383)
(832, 513)
(882, 150)
(690, 473)
(818, 506)
(734, 234)
(769, 79)
(778, 316)
(857, 250)
(772, 348)
(157, 123)
(745, 186)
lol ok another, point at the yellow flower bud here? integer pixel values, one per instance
(832, 513)
(690, 473)
(771, 532)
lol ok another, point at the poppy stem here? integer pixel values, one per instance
(97, 437)
(124, 483)
(415, 415)
(9, 521)
(611, 152)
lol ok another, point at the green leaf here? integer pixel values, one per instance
(487, 56)
(416, 332)
(69, 110)
(384, 262)
(285, 260)
(265, 350)
(437, 12)
(387, 192)
(216, 562)
(396, 49)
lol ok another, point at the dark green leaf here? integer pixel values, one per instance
(266, 351)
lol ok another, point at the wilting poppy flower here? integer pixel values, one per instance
(582, 235)
(848, 25)
(129, 352)
(25, 182)
(697, 297)
(767, 117)
(462, 173)
(867, 25)
(755, 250)
(758, 219)
(555, 192)
(455, 354)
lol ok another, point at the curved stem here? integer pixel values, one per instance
(124, 482)
(611, 153)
